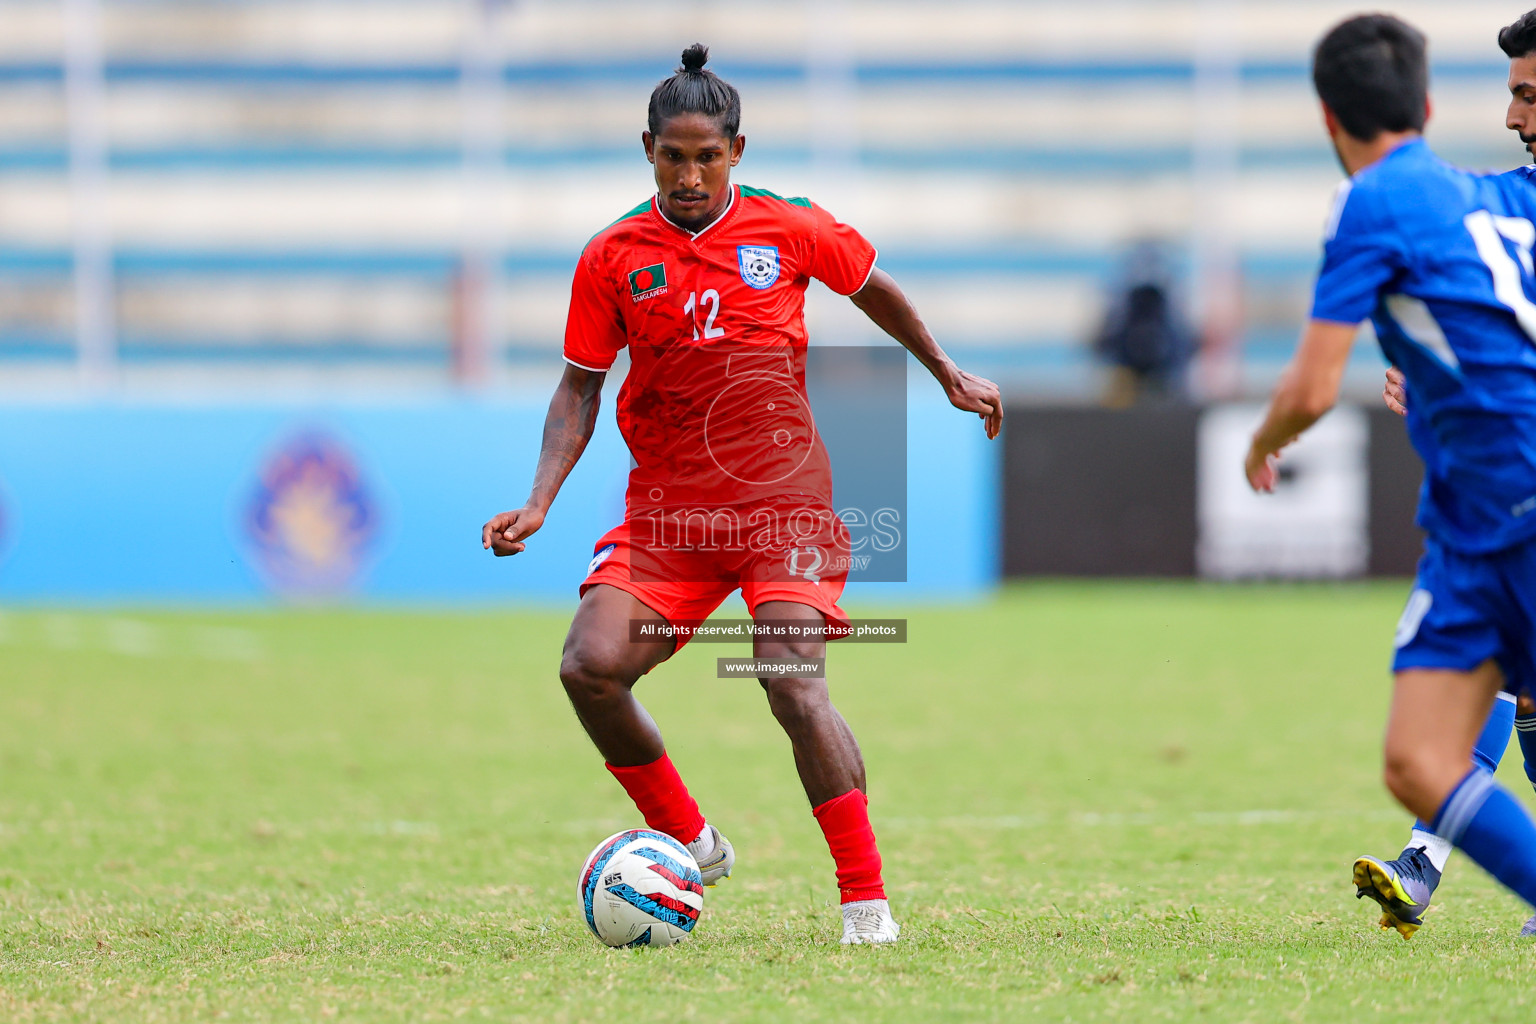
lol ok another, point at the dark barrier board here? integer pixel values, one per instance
(1097, 492)
(1093, 492)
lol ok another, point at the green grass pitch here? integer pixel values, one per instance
(1095, 802)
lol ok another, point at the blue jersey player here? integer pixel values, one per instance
(1440, 260)
(1404, 885)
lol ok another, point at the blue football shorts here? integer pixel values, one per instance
(1465, 609)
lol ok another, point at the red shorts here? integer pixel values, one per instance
(685, 587)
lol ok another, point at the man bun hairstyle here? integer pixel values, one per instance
(1373, 72)
(1519, 40)
(694, 89)
(694, 59)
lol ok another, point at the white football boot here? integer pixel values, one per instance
(869, 922)
(721, 858)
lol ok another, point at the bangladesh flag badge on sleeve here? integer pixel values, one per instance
(647, 281)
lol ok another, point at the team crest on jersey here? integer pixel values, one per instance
(647, 281)
(759, 264)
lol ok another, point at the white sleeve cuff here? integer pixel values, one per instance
(869, 275)
(589, 369)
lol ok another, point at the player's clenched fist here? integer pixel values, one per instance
(505, 533)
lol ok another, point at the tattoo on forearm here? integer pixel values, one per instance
(567, 429)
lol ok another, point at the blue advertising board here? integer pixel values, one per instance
(379, 502)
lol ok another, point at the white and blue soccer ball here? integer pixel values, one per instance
(641, 888)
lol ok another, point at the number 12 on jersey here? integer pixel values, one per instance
(710, 298)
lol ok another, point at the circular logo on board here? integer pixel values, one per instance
(311, 518)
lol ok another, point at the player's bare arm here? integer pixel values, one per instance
(567, 429)
(1307, 390)
(883, 301)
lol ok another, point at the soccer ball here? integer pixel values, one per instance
(640, 888)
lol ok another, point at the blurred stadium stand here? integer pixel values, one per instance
(289, 202)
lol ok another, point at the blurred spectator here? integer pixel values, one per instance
(1146, 338)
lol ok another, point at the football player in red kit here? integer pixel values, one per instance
(731, 488)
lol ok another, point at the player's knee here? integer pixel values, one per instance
(1398, 775)
(1412, 774)
(795, 701)
(1525, 706)
(592, 675)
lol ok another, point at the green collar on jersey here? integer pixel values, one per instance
(747, 192)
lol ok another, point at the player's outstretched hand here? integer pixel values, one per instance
(979, 395)
(506, 533)
(1260, 467)
(1396, 391)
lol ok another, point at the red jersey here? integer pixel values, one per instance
(714, 408)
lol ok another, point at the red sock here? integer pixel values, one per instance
(845, 822)
(663, 800)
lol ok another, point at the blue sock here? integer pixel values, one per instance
(1492, 744)
(1495, 738)
(1489, 825)
(1525, 728)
